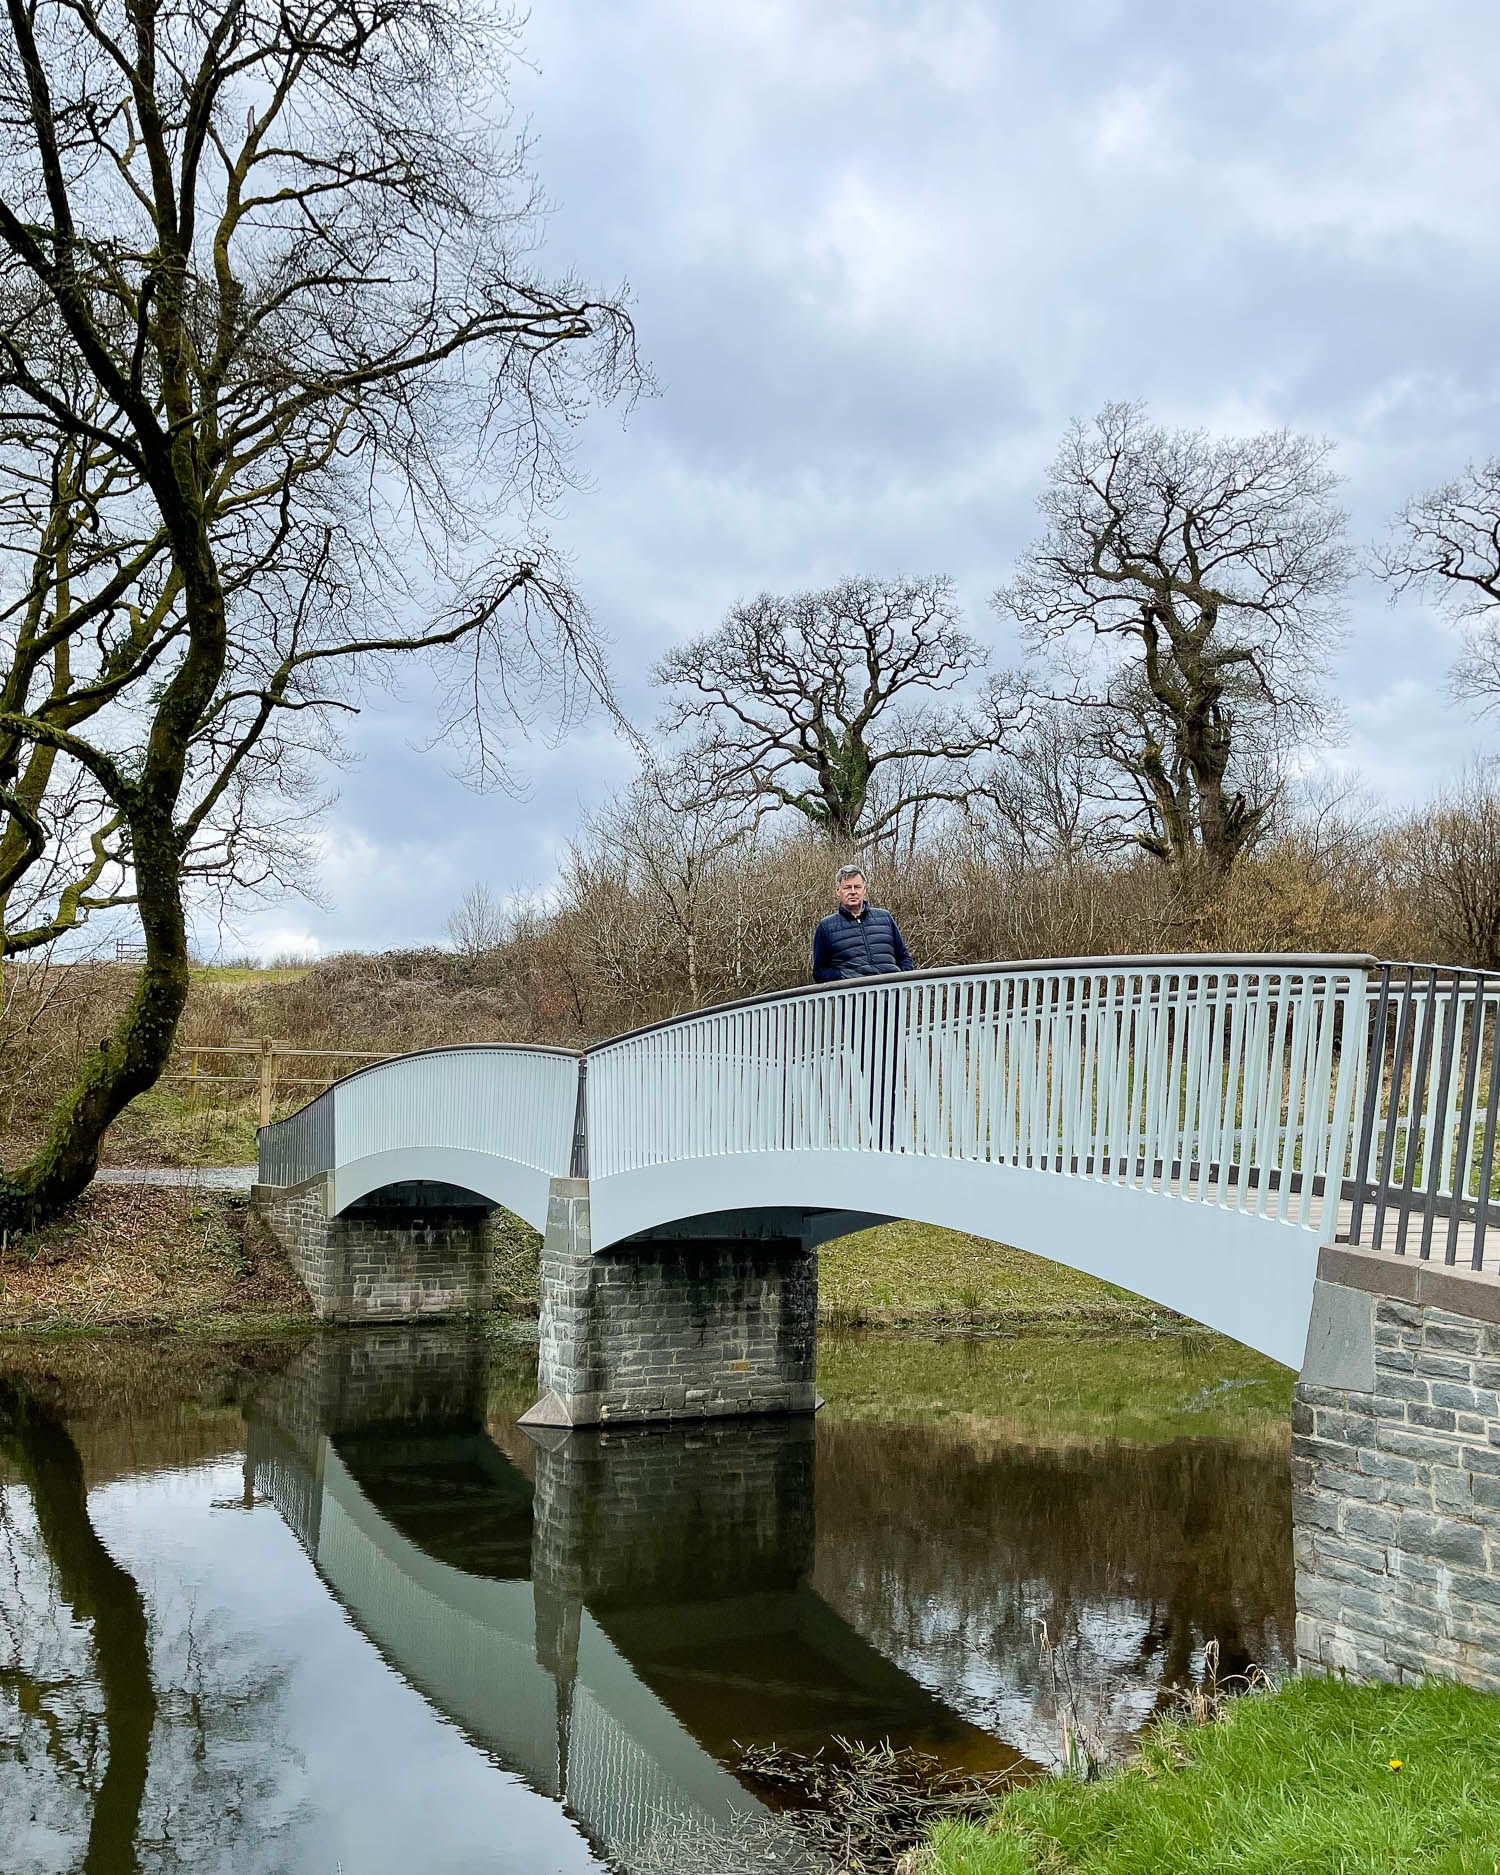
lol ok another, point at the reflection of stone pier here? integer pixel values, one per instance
(1396, 1463)
(607, 1634)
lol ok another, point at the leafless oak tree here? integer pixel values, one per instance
(1446, 544)
(816, 702)
(276, 359)
(1187, 590)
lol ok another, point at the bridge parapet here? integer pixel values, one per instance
(1190, 1127)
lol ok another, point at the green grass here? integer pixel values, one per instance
(1052, 1383)
(169, 1126)
(237, 976)
(1298, 1782)
(901, 1272)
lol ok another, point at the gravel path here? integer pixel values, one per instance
(199, 1177)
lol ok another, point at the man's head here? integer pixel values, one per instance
(849, 884)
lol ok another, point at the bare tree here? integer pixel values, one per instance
(1187, 589)
(812, 702)
(478, 923)
(1445, 860)
(275, 362)
(1046, 800)
(661, 848)
(1446, 544)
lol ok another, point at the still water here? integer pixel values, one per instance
(324, 1606)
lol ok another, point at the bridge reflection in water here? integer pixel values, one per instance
(607, 1625)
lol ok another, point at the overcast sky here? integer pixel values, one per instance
(881, 253)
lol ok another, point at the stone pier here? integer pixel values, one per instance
(1396, 1472)
(407, 1252)
(699, 1321)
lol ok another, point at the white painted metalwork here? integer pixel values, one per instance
(1217, 1080)
(1425, 1169)
(1185, 1126)
(497, 1121)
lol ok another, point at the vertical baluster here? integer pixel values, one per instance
(1211, 1093)
(1465, 1140)
(1449, 1122)
(1174, 1153)
(1487, 1156)
(1232, 1133)
(1068, 1095)
(1112, 1045)
(1067, 1073)
(1437, 1113)
(1417, 1105)
(1402, 1048)
(1156, 1049)
(1197, 1010)
(1254, 1074)
(1374, 1059)
(1317, 1138)
(1037, 1061)
(1299, 1066)
(1122, 1106)
(1092, 1074)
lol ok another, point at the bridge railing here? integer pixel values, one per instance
(517, 1102)
(1220, 1079)
(1424, 1176)
(1283, 1086)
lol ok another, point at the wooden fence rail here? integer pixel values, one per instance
(265, 1056)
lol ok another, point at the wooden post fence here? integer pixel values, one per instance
(257, 1069)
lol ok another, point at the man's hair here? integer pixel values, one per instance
(847, 872)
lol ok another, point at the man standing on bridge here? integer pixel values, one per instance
(857, 939)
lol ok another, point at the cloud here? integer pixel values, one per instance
(881, 253)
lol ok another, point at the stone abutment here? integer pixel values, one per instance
(1396, 1473)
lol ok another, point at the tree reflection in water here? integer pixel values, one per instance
(134, 1734)
(565, 1639)
(91, 1587)
(1135, 1556)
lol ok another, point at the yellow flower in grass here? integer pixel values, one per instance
(1395, 1764)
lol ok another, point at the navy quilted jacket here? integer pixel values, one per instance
(867, 946)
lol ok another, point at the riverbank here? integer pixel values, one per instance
(190, 1256)
(1317, 1778)
(148, 1257)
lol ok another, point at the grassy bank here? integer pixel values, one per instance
(146, 1256)
(1056, 1383)
(914, 1274)
(1316, 1779)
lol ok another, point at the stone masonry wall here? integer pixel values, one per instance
(680, 1329)
(1396, 1475)
(387, 1261)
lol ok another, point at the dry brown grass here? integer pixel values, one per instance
(140, 1256)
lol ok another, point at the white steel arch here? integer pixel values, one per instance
(1184, 1126)
(1180, 1126)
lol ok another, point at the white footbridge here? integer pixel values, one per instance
(1192, 1128)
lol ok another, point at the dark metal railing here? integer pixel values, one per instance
(1425, 1156)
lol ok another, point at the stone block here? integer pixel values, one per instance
(1452, 1491)
(1459, 1337)
(1448, 1539)
(1444, 1367)
(1386, 1465)
(1370, 1523)
(1403, 1387)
